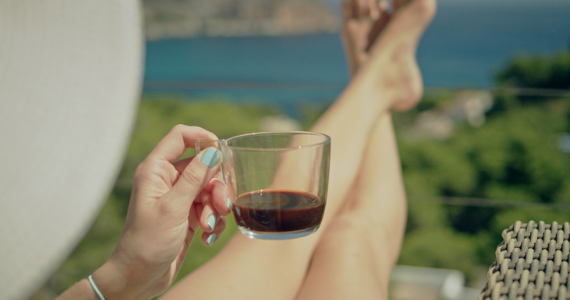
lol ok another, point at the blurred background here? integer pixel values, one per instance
(488, 145)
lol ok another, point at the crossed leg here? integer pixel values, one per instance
(256, 269)
(358, 249)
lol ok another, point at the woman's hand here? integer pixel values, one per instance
(169, 203)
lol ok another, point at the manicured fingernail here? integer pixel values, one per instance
(229, 203)
(210, 240)
(238, 212)
(212, 221)
(211, 157)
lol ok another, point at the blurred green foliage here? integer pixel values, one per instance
(513, 158)
(537, 71)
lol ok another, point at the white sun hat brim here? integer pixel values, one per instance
(70, 79)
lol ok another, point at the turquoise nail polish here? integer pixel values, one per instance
(229, 203)
(210, 157)
(238, 212)
(210, 240)
(212, 221)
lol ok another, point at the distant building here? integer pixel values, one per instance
(468, 106)
(564, 143)
(191, 18)
(418, 283)
(279, 123)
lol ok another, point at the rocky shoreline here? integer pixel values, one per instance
(229, 18)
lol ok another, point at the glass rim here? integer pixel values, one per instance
(326, 140)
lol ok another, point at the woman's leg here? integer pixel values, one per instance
(357, 251)
(257, 269)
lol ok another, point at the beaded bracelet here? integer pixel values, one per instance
(94, 286)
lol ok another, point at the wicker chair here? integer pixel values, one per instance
(531, 263)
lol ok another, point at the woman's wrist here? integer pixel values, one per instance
(95, 288)
(120, 278)
(114, 282)
(110, 282)
(81, 290)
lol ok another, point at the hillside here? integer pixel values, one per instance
(190, 18)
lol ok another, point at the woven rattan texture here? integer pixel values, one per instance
(531, 263)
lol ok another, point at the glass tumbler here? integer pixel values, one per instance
(277, 181)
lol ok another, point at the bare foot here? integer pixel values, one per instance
(362, 20)
(381, 46)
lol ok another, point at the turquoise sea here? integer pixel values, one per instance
(464, 46)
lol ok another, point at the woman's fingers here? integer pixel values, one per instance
(206, 218)
(192, 174)
(220, 200)
(192, 179)
(208, 238)
(180, 137)
(182, 164)
(214, 202)
(195, 190)
(194, 218)
(209, 216)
